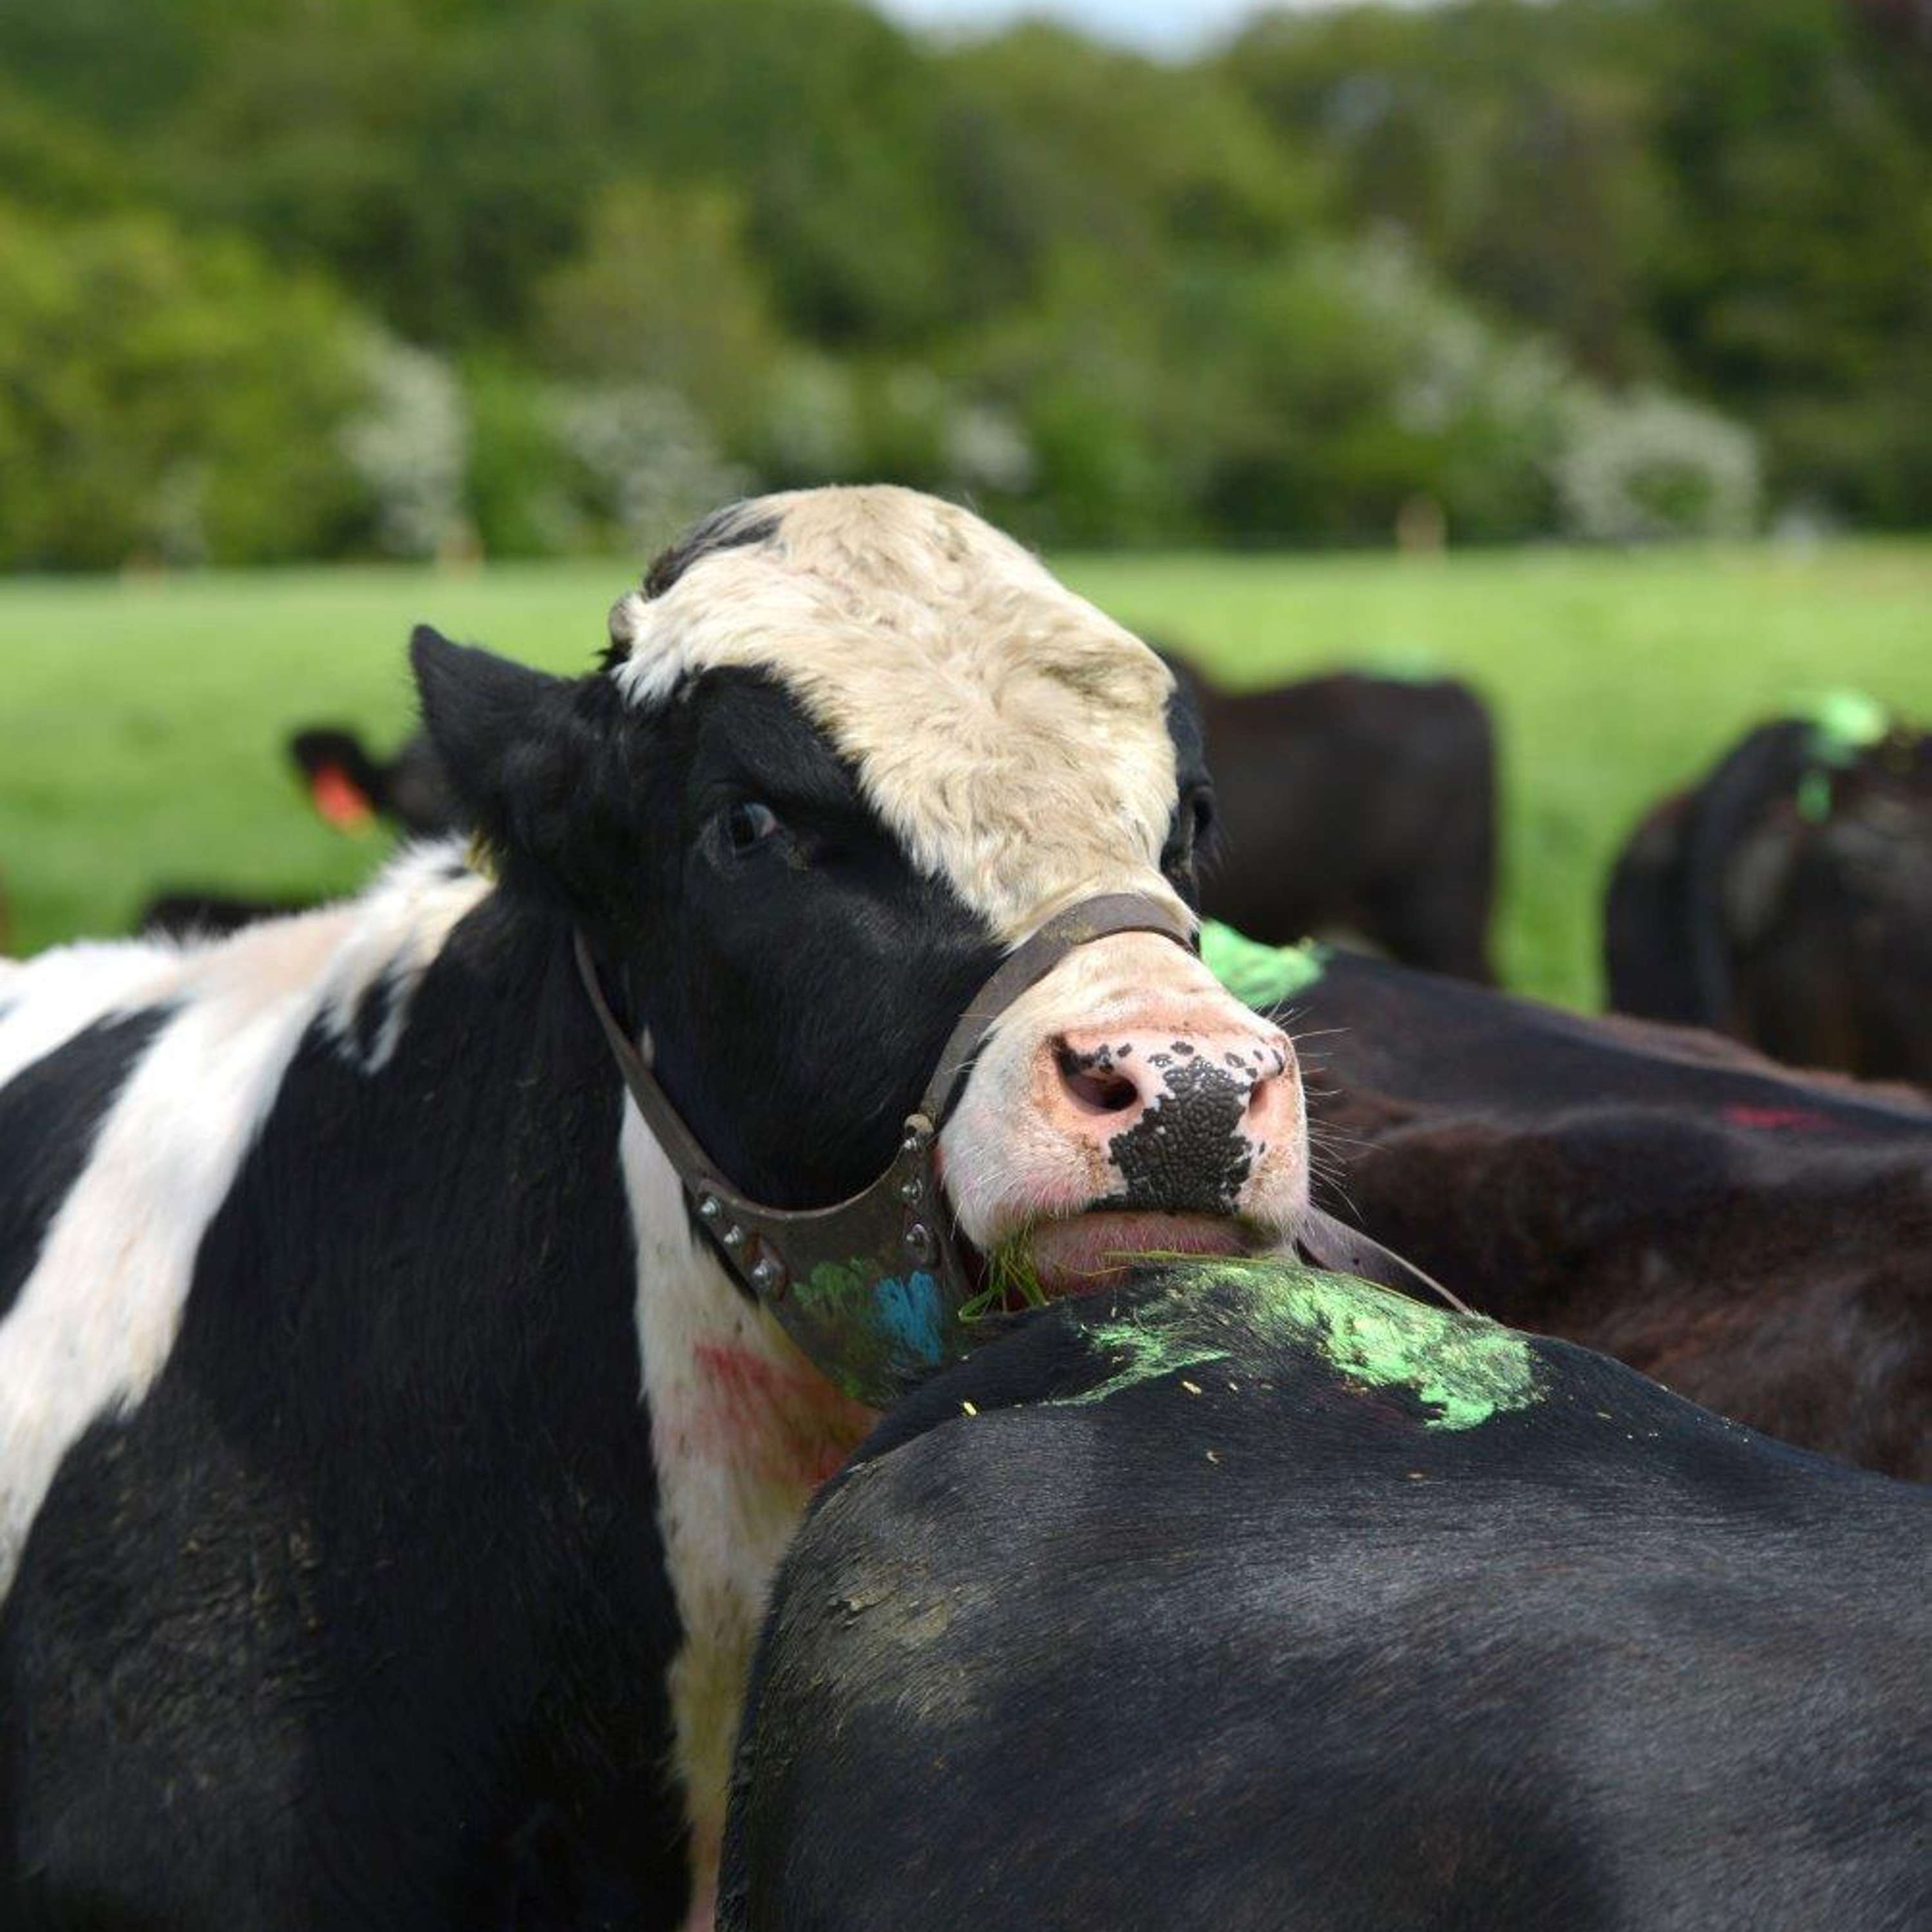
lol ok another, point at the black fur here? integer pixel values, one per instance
(49, 1114)
(732, 527)
(1272, 1652)
(744, 965)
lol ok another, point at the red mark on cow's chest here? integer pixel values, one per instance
(787, 1424)
(1774, 1120)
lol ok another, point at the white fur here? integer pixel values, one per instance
(95, 1321)
(1011, 736)
(47, 1000)
(725, 1512)
(412, 910)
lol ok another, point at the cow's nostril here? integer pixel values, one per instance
(1096, 1089)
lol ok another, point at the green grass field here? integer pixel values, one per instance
(141, 722)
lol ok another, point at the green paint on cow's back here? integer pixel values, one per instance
(1257, 975)
(1466, 1369)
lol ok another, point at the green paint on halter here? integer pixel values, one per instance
(1843, 723)
(1257, 975)
(1465, 1368)
(876, 1328)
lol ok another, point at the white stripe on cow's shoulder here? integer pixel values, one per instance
(94, 1321)
(403, 922)
(1013, 736)
(45, 1001)
(742, 1430)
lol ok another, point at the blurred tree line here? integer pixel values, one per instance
(322, 278)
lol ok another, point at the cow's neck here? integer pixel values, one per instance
(743, 1429)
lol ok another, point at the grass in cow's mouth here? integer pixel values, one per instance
(1012, 1282)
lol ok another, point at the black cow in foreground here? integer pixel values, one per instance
(1259, 1601)
(1755, 1237)
(1365, 804)
(1786, 900)
(392, 1470)
(351, 789)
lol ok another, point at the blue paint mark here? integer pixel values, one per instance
(909, 1312)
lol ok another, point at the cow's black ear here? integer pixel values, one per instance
(522, 749)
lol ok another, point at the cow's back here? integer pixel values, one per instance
(1267, 1638)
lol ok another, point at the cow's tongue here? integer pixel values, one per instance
(1087, 1252)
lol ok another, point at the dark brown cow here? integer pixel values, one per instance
(1359, 803)
(1787, 899)
(1756, 1238)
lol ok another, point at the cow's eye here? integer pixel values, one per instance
(1200, 816)
(1192, 825)
(749, 822)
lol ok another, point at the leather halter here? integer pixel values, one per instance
(870, 1289)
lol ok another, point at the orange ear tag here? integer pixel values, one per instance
(340, 800)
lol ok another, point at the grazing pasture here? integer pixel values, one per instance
(142, 721)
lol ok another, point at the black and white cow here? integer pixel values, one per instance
(1335, 1613)
(390, 1474)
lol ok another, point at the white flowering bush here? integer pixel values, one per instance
(813, 432)
(410, 446)
(645, 461)
(986, 448)
(1652, 467)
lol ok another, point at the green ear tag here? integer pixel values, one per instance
(1260, 976)
(1844, 723)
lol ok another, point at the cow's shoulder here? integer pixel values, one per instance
(49, 1112)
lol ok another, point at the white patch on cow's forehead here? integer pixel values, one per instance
(1011, 736)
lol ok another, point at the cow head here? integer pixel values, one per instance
(848, 747)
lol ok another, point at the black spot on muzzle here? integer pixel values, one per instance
(1186, 1154)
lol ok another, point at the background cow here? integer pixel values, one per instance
(1787, 899)
(1365, 804)
(1755, 1237)
(390, 1474)
(350, 786)
(351, 789)
(1267, 1600)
